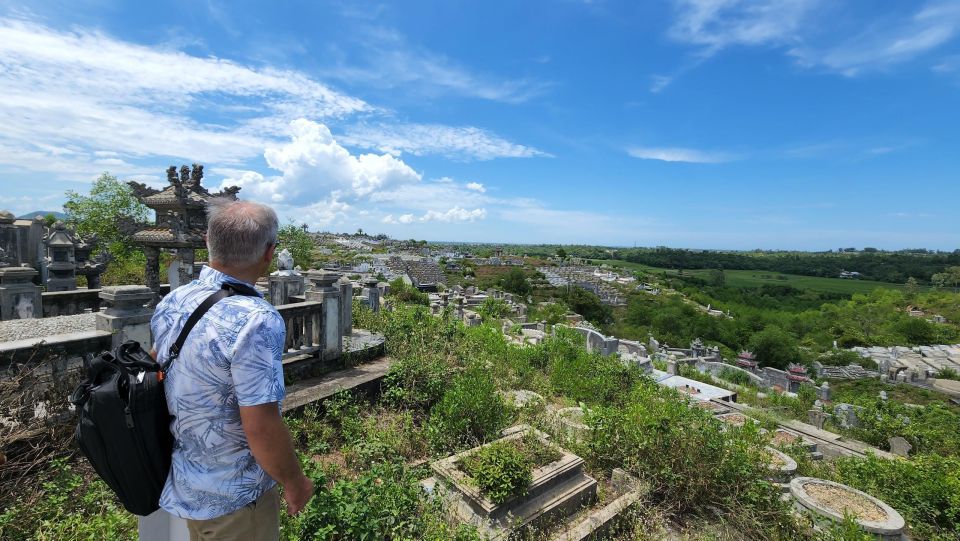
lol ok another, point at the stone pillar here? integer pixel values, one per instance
(152, 270)
(19, 296)
(672, 368)
(444, 300)
(346, 306)
(324, 291)
(282, 286)
(611, 345)
(372, 294)
(185, 256)
(459, 301)
(126, 314)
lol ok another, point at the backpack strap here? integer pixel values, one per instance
(191, 323)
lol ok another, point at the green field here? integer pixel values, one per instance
(754, 278)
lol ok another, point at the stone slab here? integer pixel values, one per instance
(311, 390)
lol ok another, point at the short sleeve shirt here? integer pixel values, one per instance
(232, 358)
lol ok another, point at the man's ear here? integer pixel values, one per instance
(268, 254)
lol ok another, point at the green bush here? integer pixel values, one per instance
(68, 505)
(682, 453)
(470, 413)
(401, 291)
(500, 470)
(385, 502)
(586, 377)
(924, 489)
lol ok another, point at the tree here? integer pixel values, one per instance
(949, 277)
(775, 347)
(912, 286)
(562, 254)
(110, 203)
(718, 278)
(516, 282)
(298, 241)
(588, 305)
(49, 219)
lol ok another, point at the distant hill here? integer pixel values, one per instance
(30, 215)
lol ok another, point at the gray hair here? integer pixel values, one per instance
(238, 232)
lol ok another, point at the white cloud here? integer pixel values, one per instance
(816, 33)
(476, 186)
(456, 142)
(97, 96)
(660, 82)
(717, 24)
(886, 43)
(679, 155)
(406, 218)
(387, 60)
(314, 163)
(455, 214)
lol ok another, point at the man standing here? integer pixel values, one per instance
(231, 447)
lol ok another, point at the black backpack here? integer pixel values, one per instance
(124, 425)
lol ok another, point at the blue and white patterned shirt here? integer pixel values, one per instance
(232, 358)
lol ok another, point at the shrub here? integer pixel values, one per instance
(68, 505)
(500, 470)
(415, 382)
(682, 453)
(470, 413)
(586, 377)
(735, 376)
(385, 502)
(925, 489)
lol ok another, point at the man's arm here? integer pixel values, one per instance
(272, 447)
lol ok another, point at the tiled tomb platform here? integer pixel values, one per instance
(558, 490)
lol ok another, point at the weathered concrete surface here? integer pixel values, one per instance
(889, 529)
(310, 390)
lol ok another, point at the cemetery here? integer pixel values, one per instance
(479, 420)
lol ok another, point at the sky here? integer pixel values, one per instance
(724, 124)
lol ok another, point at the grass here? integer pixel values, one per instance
(757, 278)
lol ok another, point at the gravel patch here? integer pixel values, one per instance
(844, 501)
(21, 329)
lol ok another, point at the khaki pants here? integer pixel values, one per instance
(257, 521)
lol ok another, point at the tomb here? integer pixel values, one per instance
(557, 490)
(61, 261)
(827, 502)
(19, 296)
(180, 225)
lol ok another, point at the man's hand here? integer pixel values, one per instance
(297, 495)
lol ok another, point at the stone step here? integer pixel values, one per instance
(363, 376)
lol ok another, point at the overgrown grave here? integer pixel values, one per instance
(549, 491)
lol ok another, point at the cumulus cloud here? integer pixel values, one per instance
(476, 186)
(313, 163)
(455, 214)
(455, 142)
(688, 155)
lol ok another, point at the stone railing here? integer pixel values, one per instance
(57, 347)
(304, 322)
(68, 303)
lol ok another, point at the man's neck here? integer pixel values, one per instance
(246, 274)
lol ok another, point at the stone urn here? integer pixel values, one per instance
(827, 501)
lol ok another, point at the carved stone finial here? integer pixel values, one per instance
(184, 174)
(172, 174)
(196, 175)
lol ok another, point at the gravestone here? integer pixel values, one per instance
(899, 446)
(817, 417)
(19, 296)
(847, 415)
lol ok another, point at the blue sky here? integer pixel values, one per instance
(795, 124)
